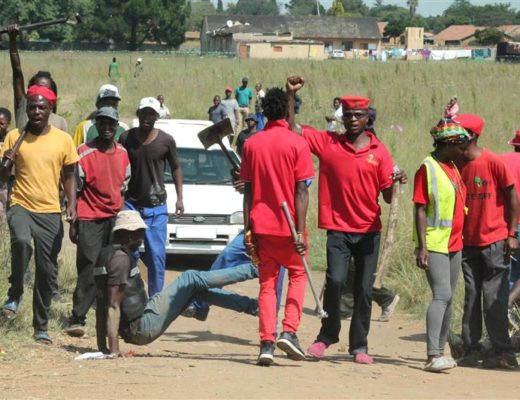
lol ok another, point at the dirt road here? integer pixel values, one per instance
(216, 359)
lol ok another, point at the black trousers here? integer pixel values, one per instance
(341, 247)
(92, 237)
(46, 230)
(486, 285)
(381, 296)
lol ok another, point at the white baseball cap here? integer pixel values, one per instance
(108, 90)
(150, 102)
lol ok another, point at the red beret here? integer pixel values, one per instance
(354, 102)
(470, 122)
(48, 94)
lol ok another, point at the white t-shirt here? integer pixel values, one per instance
(164, 113)
(335, 126)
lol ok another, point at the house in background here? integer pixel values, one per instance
(226, 33)
(511, 32)
(457, 35)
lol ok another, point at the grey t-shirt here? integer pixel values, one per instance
(231, 106)
(22, 119)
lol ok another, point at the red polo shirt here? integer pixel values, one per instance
(485, 179)
(273, 161)
(350, 181)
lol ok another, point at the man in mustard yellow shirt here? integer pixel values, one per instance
(34, 213)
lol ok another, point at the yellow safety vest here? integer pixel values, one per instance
(440, 208)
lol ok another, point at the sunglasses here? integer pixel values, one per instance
(354, 114)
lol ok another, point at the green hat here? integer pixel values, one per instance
(448, 130)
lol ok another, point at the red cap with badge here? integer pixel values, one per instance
(471, 122)
(355, 102)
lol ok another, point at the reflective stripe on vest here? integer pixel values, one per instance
(436, 221)
(440, 208)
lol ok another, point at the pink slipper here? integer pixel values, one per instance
(317, 349)
(363, 358)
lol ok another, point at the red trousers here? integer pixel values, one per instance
(275, 251)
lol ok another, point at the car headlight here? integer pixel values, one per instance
(237, 218)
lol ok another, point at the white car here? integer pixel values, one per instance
(337, 54)
(213, 209)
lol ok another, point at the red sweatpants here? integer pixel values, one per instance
(273, 252)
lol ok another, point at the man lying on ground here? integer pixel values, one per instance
(123, 308)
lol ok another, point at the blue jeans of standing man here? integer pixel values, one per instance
(156, 219)
(163, 308)
(235, 254)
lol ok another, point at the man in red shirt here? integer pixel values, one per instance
(489, 237)
(354, 169)
(275, 167)
(103, 173)
(512, 160)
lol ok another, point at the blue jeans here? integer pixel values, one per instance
(163, 308)
(156, 218)
(235, 254)
(260, 121)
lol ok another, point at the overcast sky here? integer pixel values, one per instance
(426, 7)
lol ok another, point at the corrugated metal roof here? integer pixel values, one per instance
(301, 27)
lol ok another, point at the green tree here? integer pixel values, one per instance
(489, 36)
(355, 7)
(199, 9)
(304, 7)
(395, 28)
(337, 9)
(134, 21)
(388, 12)
(220, 7)
(253, 7)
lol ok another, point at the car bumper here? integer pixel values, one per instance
(200, 239)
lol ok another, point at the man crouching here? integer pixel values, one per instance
(123, 308)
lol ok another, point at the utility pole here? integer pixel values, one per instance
(318, 7)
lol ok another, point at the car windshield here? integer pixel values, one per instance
(202, 167)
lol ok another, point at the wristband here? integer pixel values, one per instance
(512, 234)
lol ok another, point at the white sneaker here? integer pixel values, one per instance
(389, 310)
(439, 364)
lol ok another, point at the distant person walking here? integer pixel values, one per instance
(217, 112)
(41, 78)
(243, 95)
(165, 111)
(100, 198)
(149, 149)
(440, 197)
(113, 71)
(139, 67)
(231, 106)
(334, 118)
(35, 211)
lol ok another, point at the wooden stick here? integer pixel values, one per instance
(384, 258)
